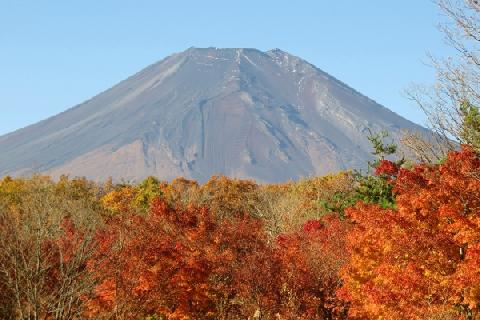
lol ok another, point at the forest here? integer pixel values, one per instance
(401, 242)
(398, 241)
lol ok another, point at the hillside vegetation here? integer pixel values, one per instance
(399, 243)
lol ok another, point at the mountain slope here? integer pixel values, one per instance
(240, 112)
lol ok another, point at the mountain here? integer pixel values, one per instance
(244, 113)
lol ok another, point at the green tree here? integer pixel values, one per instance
(147, 191)
(470, 124)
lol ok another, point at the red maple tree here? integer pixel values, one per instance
(420, 260)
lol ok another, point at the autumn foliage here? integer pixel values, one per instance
(189, 264)
(420, 260)
(310, 261)
(181, 264)
(401, 243)
(46, 241)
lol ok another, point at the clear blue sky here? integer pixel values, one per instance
(55, 54)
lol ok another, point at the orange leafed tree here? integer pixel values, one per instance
(181, 264)
(422, 259)
(227, 197)
(120, 200)
(310, 261)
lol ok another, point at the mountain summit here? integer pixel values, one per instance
(244, 113)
